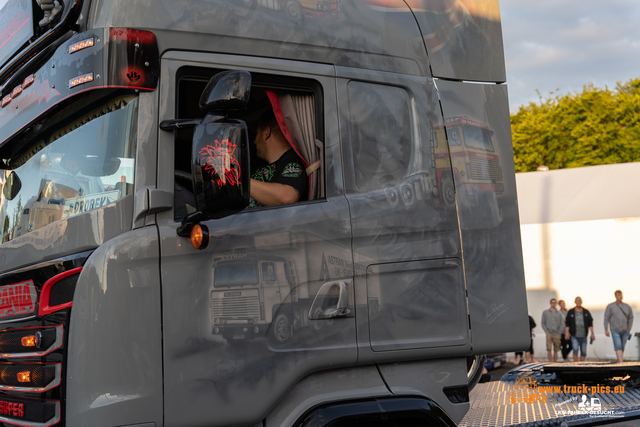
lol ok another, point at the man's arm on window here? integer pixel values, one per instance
(273, 193)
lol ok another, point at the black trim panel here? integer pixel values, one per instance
(388, 412)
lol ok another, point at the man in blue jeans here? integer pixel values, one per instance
(620, 316)
(578, 324)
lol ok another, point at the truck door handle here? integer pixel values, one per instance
(323, 306)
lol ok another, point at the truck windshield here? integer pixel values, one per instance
(475, 137)
(235, 274)
(73, 168)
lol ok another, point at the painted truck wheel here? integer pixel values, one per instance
(293, 10)
(317, 323)
(281, 329)
(448, 192)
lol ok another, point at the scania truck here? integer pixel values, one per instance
(126, 133)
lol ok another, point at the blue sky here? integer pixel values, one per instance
(564, 44)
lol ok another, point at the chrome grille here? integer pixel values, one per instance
(484, 169)
(235, 306)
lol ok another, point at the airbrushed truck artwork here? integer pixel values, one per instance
(138, 288)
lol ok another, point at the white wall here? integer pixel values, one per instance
(588, 258)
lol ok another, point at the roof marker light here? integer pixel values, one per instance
(6, 101)
(16, 92)
(28, 81)
(85, 78)
(81, 45)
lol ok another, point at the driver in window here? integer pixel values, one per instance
(284, 179)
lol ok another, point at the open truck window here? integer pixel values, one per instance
(77, 163)
(300, 102)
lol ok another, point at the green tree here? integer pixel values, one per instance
(17, 213)
(595, 127)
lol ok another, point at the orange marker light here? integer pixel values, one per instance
(16, 91)
(199, 236)
(29, 341)
(85, 78)
(81, 45)
(24, 377)
(28, 81)
(6, 101)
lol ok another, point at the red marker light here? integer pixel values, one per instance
(81, 45)
(85, 78)
(6, 101)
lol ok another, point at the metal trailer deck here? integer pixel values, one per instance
(492, 404)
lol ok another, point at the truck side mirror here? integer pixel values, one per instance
(220, 168)
(220, 152)
(12, 186)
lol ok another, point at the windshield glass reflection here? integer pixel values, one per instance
(80, 166)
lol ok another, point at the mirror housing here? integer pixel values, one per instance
(220, 168)
(226, 91)
(12, 186)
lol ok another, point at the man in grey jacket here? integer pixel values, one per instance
(620, 316)
(553, 326)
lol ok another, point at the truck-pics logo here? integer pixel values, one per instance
(19, 298)
(526, 390)
(570, 400)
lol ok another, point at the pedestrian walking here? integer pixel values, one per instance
(565, 344)
(553, 326)
(620, 316)
(578, 324)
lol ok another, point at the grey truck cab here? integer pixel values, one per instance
(138, 289)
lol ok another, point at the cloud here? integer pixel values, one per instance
(565, 44)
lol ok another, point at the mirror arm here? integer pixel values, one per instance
(187, 223)
(214, 117)
(171, 125)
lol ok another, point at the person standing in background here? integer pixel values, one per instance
(553, 326)
(565, 345)
(579, 322)
(620, 316)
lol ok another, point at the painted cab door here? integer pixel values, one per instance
(409, 280)
(238, 332)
